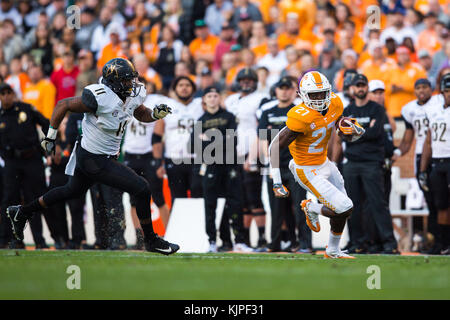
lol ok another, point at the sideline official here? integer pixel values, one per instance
(24, 174)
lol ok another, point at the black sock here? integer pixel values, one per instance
(284, 235)
(262, 233)
(247, 235)
(32, 207)
(149, 234)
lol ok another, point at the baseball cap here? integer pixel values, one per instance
(205, 71)
(359, 78)
(422, 81)
(423, 53)
(375, 85)
(211, 89)
(284, 81)
(5, 86)
(200, 23)
(244, 16)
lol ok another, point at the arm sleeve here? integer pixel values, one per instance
(89, 100)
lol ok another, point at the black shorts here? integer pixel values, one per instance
(144, 165)
(440, 182)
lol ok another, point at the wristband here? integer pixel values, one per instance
(276, 175)
(52, 133)
(398, 152)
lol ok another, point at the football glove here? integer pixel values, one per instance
(280, 191)
(423, 177)
(160, 111)
(49, 146)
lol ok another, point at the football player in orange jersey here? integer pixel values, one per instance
(308, 129)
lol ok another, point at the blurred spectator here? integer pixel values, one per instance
(169, 54)
(216, 14)
(397, 31)
(101, 34)
(172, 14)
(204, 45)
(328, 64)
(428, 38)
(258, 41)
(10, 41)
(42, 50)
(88, 74)
(17, 79)
(65, 79)
(244, 6)
(8, 11)
(143, 68)
(50, 7)
(425, 60)
(112, 49)
(377, 67)
(204, 80)
(435, 7)
(414, 19)
(401, 82)
(294, 64)
(88, 22)
(68, 38)
(275, 61)
(245, 30)
(40, 92)
(28, 15)
(441, 57)
(58, 23)
(349, 59)
(263, 74)
(224, 45)
(113, 7)
(140, 22)
(187, 58)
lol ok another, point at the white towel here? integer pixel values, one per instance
(70, 167)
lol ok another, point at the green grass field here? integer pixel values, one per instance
(136, 275)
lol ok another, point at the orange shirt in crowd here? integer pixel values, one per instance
(264, 7)
(150, 43)
(404, 77)
(18, 83)
(428, 40)
(305, 9)
(232, 72)
(207, 46)
(423, 6)
(109, 52)
(378, 71)
(42, 95)
(152, 76)
(260, 50)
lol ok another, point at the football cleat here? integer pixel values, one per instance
(212, 247)
(242, 247)
(280, 191)
(18, 221)
(336, 255)
(160, 245)
(312, 219)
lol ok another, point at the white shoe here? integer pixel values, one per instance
(212, 247)
(242, 247)
(336, 254)
(312, 219)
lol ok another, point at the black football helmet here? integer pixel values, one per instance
(445, 82)
(247, 73)
(121, 77)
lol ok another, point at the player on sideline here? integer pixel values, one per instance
(308, 129)
(107, 107)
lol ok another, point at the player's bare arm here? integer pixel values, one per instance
(424, 162)
(405, 145)
(145, 114)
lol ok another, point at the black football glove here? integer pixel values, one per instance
(49, 146)
(160, 111)
(423, 177)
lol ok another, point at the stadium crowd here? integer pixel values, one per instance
(253, 52)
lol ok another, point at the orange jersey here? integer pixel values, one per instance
(310, 147)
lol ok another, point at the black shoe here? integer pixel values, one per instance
(40, 246)
(86, 246)
(18, 221)
(445, 251)
(435, 249)
(390, 250)
(226, 247)
(159, 245)
(374, 249)
(262, 246)
(358, 250)
(16, 244)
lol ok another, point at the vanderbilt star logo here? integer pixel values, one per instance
(113, 68)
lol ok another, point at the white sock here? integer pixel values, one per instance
(315, 207)
(333, 242)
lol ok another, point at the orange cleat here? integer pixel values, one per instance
(312, 219)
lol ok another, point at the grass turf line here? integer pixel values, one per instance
(137, 275)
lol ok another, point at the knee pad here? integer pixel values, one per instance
(344, 205)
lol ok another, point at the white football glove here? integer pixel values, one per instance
(160, 111)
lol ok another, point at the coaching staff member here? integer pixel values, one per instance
(437, 149)
(24, 169)
(219, 171)
(363, 171)
(288, 209)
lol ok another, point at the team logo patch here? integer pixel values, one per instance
(312, 126)
(115, 113)
(22, 117)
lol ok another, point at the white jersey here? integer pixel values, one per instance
(178, 127)
(415, 115)
(138, 136)
(104, 129)
(439, 124)
(245, 111)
